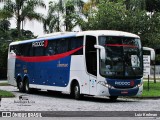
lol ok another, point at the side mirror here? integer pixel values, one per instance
(102, 52)
(152, 52)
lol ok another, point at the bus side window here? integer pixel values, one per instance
(62, 46)
(25, 49)
(76, 42)
(39, 51)
(51, 49)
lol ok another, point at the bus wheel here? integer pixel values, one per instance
(76, 91)
(20, 85)
(113, 98)
(26, 86)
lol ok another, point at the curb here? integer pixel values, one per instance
(3, 81)
(145, 98)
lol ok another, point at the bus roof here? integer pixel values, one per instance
(107, 33)
(73, 34)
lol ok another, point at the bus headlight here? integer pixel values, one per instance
(105, 84)
(139, 85)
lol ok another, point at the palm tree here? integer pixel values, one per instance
(23, 10)
(52, 21)
(72, 13)
(63, 13)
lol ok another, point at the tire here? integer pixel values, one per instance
(76, 91)
(113, 98)
(26, 86)
(20, 85)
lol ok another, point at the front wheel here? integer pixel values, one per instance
(113, 98)
(20, 85)
(76, 91)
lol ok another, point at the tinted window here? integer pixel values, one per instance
(51, 48)
(76, 42)
(62, 46)
(38, 51)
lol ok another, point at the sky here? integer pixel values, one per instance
(34, 26)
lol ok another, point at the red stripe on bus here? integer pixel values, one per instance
(47, 58)
(121, 45)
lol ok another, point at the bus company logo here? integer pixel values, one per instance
(122, 83)
(132, 83)
(40, 44)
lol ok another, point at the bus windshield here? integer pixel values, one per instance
(123, 57)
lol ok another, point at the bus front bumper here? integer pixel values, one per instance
(108, 90)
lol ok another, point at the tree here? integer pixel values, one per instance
(4, 25)
(107, 15)
(153, 5)
(52, 21)
(115, 16)
(135, 4)
(22, 10)
(63, 13)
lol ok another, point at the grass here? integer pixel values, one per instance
(154, 89)
(5, 94)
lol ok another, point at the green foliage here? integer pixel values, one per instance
(22, 10)
(6, 94)
(3, 53)
(154, 89)
(153, 5)
(5, 38)
(26, 34)
(124, 15)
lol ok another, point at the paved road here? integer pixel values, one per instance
(44, 101)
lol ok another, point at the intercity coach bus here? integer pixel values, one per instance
(96, 63)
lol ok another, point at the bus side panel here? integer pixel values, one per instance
(102, 90)
(58, 72)
(51, 73)
(20, 68)
(78, 72)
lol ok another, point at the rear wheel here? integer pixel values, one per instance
(113, 98)
(26, 86)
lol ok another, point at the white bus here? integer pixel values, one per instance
(97, 63)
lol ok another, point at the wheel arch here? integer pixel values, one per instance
(18, 78)
(25, 78)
